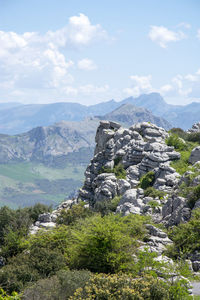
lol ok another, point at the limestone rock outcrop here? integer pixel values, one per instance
(195, 155)
(139, 149)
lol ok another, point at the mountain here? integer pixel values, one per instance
(17, 118)
(50, 145)
(45, 164)
(128, 114)
(183, 116)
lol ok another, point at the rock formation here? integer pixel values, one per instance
(139, 149)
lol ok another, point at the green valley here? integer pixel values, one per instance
(26, 183)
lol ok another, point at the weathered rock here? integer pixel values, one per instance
(140, 149)
(123, 186)
(195, 155)
(175, 211)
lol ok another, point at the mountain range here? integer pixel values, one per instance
(17, 118)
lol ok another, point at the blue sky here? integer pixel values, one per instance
(92, 51)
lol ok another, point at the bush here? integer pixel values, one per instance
(60, 286)
(43, 256)
(186, 237)
(4, 296)
(107, 206)
(106, 244)
(175, 141)
(147, 180)
(179, 132)
(181, 165)
(123, 286)
(152, 192)
(118, 170)
(78, 211)
(14, 226)
(194, 196)
(194, 137)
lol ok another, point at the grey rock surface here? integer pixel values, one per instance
(195, 155)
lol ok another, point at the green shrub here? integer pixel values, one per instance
(118, 170)
(14, 226)
(123, 286)
(44, 254)
(182, 165)
(175, 141)
(13, 296)
(106, 244)
(194, 196)
(194, 137)
(107, 206)
(179, 132)
(117, 160)
(147, 180)
(186, 237)
(70, 216)
(60, 286)
(152, 192)
(154, 204)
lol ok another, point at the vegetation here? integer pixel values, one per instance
(107, 206)
(60, 286)
(122, 286)
(152, 192)
(147, 180)
(118, 170)
(88, 255)
(186, 237)
(77, 212)
(183, 142)
(175, 141)
(5, 296)
(24, 184)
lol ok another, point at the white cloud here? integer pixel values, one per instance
(184, 25)
(166, 89)
(35, 61)
(90, 89)
(185, 87)
(181, 88)
(140, 85)
(162, 36)
(86, 64)
(191, 77)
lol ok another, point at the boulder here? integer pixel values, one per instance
(195, 155)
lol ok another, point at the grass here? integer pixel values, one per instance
(24, 184)
(181, 165)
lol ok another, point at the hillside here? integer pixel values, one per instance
(132, 231)
(45, 164)
(53, 145)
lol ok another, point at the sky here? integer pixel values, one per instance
(90, 51)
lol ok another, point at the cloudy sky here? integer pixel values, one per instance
(93, 51)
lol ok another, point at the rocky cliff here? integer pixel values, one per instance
(142, 153)
(134, 166)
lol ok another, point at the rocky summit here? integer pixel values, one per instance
(139, 149)
(134, 166)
